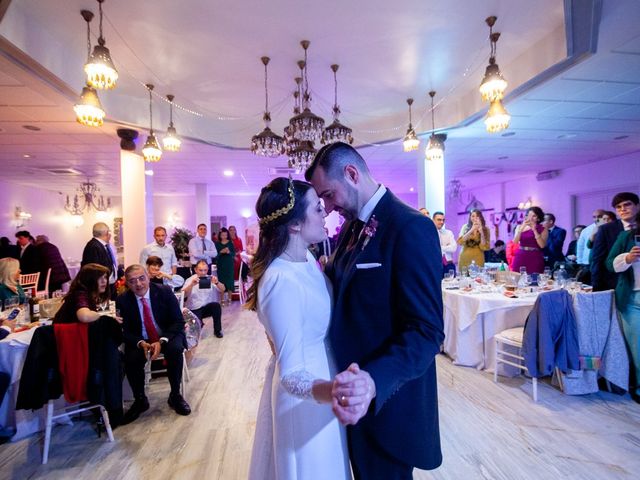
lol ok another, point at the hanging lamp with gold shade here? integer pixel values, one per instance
(410, 141)
(171, 141)
(267, 143)
(88, 109)
(336, 132)
(100, 70)
(493, 83)
(497, 118)
(151, 150)
(435, 147)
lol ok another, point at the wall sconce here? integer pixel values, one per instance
(21, 217)
(525, 205)
(173, 219)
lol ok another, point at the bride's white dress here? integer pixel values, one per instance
(296, 437)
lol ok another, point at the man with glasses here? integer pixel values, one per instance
(583, 251)
(626, 205)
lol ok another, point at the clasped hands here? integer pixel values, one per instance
(352, 392)
(151, 350)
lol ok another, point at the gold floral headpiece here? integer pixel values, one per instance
(281, 211)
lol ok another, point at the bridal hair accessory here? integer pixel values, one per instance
(281, 211)
(370, 230)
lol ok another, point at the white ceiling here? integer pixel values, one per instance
(208, 56)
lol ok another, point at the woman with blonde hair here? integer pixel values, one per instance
(474, 238)
(10, 280)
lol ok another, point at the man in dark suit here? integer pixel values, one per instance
(50, 258)
(626, 205)
(555, 243)
(152, 323)
(29, 259)
(387, 325)
(98, 250)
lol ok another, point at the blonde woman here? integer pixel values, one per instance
(10, 280)
(474, 239)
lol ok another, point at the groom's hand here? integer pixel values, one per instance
(352, 392)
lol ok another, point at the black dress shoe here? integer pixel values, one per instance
(179, 404)
(138, 407)
(219, 334)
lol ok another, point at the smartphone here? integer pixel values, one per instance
(204, 282)
(637, 239)
(14, 313)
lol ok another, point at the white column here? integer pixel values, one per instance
(422, 197)
(134, 218)
(434, 185)
(203, 207)
(148, 183)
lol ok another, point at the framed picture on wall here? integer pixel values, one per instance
(118, 239)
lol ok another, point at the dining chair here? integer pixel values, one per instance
(29, 281)
(512, 337)
(45, 290)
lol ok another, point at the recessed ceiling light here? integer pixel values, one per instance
(228, 173)
(411, 189)
(508, 134)
(621, 137)
(149, 173)
(33, 128)
(504, 157)
(567, 135)
(27, 155)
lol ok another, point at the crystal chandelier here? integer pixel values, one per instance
(267, 143)
(101, 73)
(290, 142)
(497, 118)
(86, 198)
(306, 125)
(171, 141)
(493, 84)
(410, 141)
(151, 150)
(435, 147)
(336, 132)
(89, 110)
(301, 156)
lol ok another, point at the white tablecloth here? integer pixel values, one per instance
(472, 319)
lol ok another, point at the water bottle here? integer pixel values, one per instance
(561, 276)
(502, 267)
(473, 269)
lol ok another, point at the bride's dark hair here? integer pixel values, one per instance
(280, 203)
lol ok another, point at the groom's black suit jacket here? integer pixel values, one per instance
(388, 319)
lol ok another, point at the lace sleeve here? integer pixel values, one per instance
(299, 384)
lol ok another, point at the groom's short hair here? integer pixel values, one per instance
(333, 158)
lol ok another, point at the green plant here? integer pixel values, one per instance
(180, 240)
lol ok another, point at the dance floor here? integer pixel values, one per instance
(489, 431)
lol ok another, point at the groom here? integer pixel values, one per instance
(386, 274)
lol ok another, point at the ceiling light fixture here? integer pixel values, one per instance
(148, 173)
(101, 73)
(290, 142)
(89, 110)
(435, 147)
(411, 141)
(267, 143)
(493, 84)
(171, 141)
(228, 173)
(497, 118)
(151, 150)
(86, 198)
(306, 125)
(336, 132)
(302, 156)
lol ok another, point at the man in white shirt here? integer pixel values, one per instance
(448, 244)
(583, 251)
(201, 248)
(159, 248)
(202, 294)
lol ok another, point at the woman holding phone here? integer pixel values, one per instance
(624, 259)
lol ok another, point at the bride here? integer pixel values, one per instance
(297, 435)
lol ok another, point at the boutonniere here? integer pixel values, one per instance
(369, 230)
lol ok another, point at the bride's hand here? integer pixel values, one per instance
(352, 393)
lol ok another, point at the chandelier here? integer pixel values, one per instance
(435, 147)
(336, 132)
(151, 150)
(410, 142)
(306, 125)
(290, 142)
(88, 109)
(171, 141)
(86, 198)
(301, 156)
(267, 143)
(497, 118)
(101, 73)
(493, 84)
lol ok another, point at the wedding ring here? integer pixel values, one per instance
(343, 400)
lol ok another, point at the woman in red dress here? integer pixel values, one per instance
(237, 245)
(532, 237)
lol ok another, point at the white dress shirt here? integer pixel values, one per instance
(367, 209)
(140, 309)
(448, 243)
(199, 298)
(621, 265)
(166, 253)
(582, 251)
(198, 251)
(114, 273)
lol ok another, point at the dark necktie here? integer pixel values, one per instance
(147, 319)
(113, 261)
(204, 246)
(355, 234)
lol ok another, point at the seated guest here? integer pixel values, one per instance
(157, 275)
(571, 250)
(627, 206)
(10, 280)
(203, 298)
(448, 244)
(532, 237)
(152, 323)
(6, 327)
(497, 254)
(7, 249)
(623, 259)
(88, 294)
(553, 250)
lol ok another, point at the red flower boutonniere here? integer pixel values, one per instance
(369, 230)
